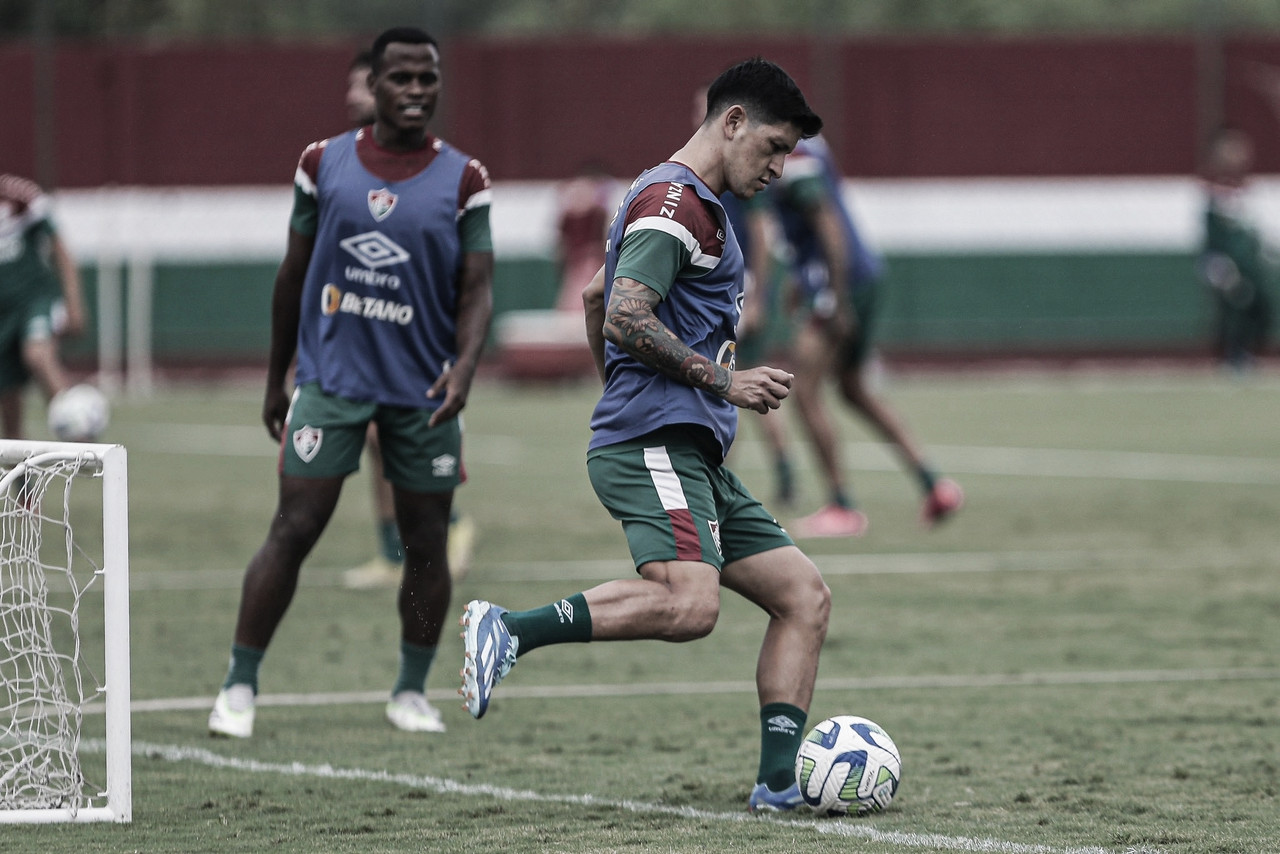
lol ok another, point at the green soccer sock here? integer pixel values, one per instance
(781, 731)
(566, 621)
(415, 664)
(927, 477)
(245, 662)
(389, 540)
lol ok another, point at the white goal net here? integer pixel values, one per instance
(64, 536)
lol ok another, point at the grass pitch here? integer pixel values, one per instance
(1084, 660)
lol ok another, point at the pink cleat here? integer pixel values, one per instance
(832, 521)
(945, 498)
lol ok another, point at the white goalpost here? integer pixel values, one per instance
(56, 552)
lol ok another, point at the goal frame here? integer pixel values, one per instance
(111, 461)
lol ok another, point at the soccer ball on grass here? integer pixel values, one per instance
(848, 764)
(78, 414)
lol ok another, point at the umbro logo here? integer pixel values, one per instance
(374, 249)
(565, 609)
(782, 723)
(445, 465)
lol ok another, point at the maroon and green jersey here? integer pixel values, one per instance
(671, 234)
(378, 316)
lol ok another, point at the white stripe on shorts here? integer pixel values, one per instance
(665, 479)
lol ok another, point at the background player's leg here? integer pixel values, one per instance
(423, 602)
(304, 508)
(383, 569)
(426, 586)
(814, 359)
(40, 355)
(942, 496)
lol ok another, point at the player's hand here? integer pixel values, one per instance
(454, 386)
(759, 389)
(275, 408)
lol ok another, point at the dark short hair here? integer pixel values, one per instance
(363, 59)
(397, 35)
(766, 92)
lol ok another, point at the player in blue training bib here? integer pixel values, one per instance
(661, 319)
(384, 296)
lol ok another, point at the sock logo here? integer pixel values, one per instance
(565, 609)
(783, 724)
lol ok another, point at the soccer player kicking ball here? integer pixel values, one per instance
(660, 318)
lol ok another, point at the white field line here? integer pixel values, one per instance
(246, 441)
(831, 565)
(445, 786)
(649, 689)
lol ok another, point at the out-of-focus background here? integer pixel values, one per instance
(1028, 167)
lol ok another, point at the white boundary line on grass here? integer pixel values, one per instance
(881, 563)
(441, 785)
(495, 449)
(630, 689)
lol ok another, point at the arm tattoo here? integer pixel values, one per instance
(631, 324)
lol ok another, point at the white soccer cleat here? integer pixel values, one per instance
(377, 573)
(409, 711)
(489, 654)
(232, 713)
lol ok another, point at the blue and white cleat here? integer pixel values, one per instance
(490, 653)
(764, 799)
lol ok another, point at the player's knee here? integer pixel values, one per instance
(809, 602)
(692, 618)
(295, 529)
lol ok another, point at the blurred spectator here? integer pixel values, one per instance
(361, 108)
(584, 204)
(1234, 262)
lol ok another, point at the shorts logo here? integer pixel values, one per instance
(565, 609)
(714, 525)
(381, 203)
(306, 442)
(445, 465)
(374, 249)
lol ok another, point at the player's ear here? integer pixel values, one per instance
(734, 119)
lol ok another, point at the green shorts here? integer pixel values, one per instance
(854, 350)
(31, 320)
(325, 435)
(676, 502)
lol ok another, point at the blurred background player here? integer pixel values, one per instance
(1233, 261)
(584, 203)
(837, 277)
(40, 299)
(404, 358)
(385, 568)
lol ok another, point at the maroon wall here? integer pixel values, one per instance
(240, 114)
